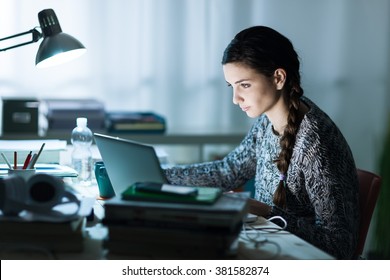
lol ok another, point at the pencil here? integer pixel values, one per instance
(33, 161)
(27, 161)
(15, 160)
(6, 160)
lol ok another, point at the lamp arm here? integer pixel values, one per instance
(36, 35)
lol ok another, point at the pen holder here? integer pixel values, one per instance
(103, 181)
(24, 173)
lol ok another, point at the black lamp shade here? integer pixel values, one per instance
(57, 47)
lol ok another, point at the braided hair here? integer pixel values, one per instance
(265, 50)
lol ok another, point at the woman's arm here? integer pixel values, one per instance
(259, 208)
(229, 173)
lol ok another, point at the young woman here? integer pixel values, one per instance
(303, 167)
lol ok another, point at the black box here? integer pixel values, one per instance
(135, 122)
(20, 115)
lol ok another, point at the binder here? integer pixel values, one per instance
(135, 122)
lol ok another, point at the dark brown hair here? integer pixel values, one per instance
(265, 50)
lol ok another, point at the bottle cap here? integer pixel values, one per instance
(81, 122)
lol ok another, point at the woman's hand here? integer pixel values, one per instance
(259, 208)
(256, 207)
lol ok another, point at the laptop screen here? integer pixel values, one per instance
(128, 162)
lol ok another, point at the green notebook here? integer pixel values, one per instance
(205, 195)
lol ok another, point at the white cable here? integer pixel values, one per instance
(280, 218)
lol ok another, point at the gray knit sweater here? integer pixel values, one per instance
(322, 184)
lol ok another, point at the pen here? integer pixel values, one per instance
(32, 162)
(6, 161)
(34, 159)
(27, 161)
(15, 160)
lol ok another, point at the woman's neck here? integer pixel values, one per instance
(278, 116)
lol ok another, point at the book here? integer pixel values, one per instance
(226, 212)
(48, 240)
(136, 122)
(211, 238)
(62, 113)
(14, 226)
(50, 154)
(118, 250)
(51, 236)
(205, 195)
(172, 230)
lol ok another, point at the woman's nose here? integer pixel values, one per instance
(236, 98)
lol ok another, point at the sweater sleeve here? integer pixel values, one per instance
(228, 173)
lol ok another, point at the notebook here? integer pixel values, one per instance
(128, 162)
(205, 195)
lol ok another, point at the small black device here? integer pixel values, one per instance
(165, 189)
(20, 115)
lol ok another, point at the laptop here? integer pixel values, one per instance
(128, 162)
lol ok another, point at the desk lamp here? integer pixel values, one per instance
(56, 48)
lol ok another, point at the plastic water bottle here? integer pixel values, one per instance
(81, 156)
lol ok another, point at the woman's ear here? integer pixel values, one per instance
(280, 78)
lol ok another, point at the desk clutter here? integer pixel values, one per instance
(42, 214)
(154, 228)
(38, 116)
(52, 237)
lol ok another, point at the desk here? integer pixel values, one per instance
(280, 245)
(198, 138)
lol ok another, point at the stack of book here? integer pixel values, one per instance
(50, 154)
(135, 122)
(55, 237)
(61, 114)
(158, 229)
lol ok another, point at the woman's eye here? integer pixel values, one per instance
(245, 85)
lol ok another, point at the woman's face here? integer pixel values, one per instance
(255, 93)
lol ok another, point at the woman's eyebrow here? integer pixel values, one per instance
(239, 81)
(242, 80)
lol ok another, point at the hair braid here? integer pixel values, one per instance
(287, 142)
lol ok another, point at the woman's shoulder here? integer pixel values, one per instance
(321, 143)
(316, 121)
(318, 129)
